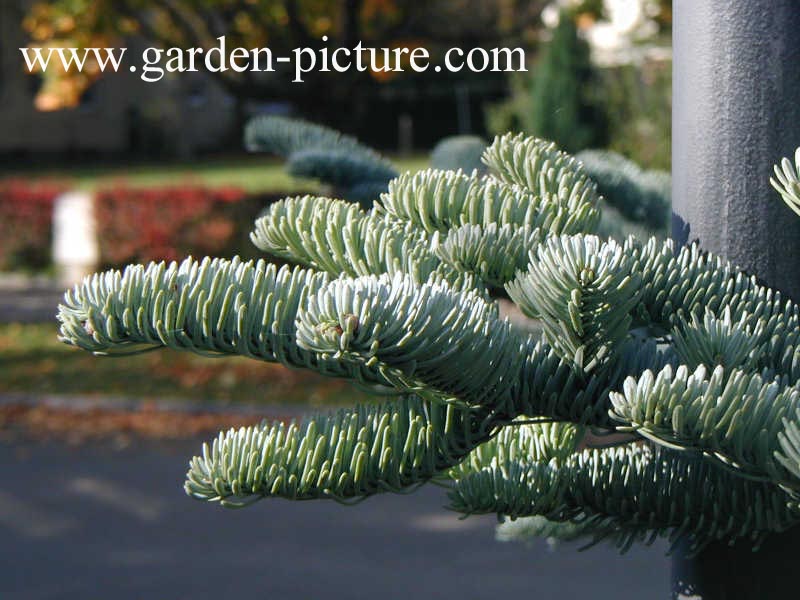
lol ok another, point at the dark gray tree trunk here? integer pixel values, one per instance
(736, 112)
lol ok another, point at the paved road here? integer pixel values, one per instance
(97, 522)
(29, 300)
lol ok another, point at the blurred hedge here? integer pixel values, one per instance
(133, 224)
(26, 220)
(168, 223)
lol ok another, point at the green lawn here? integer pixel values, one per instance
(33, 361)
(253, 173)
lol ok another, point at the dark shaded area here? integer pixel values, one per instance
(680, 231)
(723, 572)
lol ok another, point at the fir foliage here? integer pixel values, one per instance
(639, 196)
(787, 181)
(354, 171)
(695, 361)
(462, 152)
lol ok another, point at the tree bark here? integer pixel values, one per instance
(736, 112)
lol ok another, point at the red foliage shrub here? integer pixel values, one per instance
(133, 224)
(26, 218)
(168, 223)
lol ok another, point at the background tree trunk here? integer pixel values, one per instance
(736, 112)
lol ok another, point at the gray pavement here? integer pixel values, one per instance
(29, 299)
(98, 522)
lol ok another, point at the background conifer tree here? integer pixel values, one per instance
(565, 105)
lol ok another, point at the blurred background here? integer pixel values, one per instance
(168, 156)
(98, 170)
